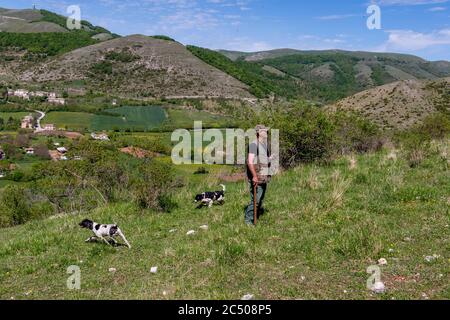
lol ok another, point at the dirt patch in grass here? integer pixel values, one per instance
(235, 177)
(140, 153)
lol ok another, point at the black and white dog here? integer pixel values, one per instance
(103, 231)
(209, 198)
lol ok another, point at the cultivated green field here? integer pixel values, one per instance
(69, 120)
(133, 118)
(316, 243)
(183, 118)
(15, 115)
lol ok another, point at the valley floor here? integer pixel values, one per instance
(324, 226)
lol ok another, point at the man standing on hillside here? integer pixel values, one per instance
(258, 165)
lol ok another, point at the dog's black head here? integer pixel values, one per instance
(86, 223)
(199, 197)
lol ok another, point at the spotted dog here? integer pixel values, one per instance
(209, 198)
(103, 231)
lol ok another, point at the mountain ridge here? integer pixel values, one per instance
(400, 105)
(157, 68)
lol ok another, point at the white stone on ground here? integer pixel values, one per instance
(204, 227)
(190, 233)
(154, 269)
(379, 287)
(382, 262)
(432, 258)
(248, 297)
(112, 270)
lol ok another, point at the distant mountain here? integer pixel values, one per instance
(333, 74)
(37, 48)
(138, 66)
(400, 104)
(38, 21)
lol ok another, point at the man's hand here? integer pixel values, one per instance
(251, 167)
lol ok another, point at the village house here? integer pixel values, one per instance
(101, 136)
(27, 122)
(58, 154)
(61, 150)
(39, 94)
(21, 93)
(49, 127)
(60, 101)
(29, 151)
(2, 154)
(24, 94)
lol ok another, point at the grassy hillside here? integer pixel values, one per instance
(400, 105)
(158, 68)
(315, 244)
(40, 21)
(262, 83)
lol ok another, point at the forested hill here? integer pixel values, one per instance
(320, 75)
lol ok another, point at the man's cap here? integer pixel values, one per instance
(261, 127)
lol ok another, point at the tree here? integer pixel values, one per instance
(41, 151)
(22, 140)
(14, 206)
(3, 94)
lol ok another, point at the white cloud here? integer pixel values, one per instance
(246, 44)
(338, 16)
(408, 40)
(407, 2)
(437, 9)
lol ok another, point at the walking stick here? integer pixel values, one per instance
(255, 204)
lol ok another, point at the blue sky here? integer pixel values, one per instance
(420, 27)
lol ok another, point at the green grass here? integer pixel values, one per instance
(323, 227)
(134, 118)
(70, 120)
(183, 118)
(4, 183)
(15, 115)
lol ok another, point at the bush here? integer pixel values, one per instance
(167, 203)
(306, 133)
(436, 126)
(152, 186)
(14, 206)
(355, 134)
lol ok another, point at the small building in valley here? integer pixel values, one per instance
(61, 150)
(29, 151)
(22, 93)
(101, 136)
(60, 101)
(2, 154)
(27, 122)
(49, 127)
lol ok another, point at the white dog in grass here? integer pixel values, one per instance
(103, 231)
